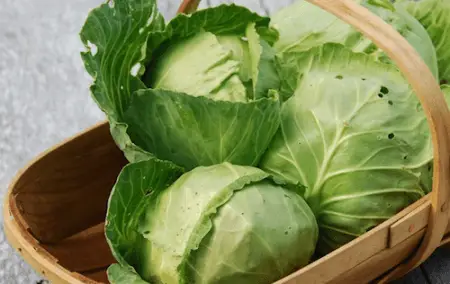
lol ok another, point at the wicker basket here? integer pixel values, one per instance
(56, 206)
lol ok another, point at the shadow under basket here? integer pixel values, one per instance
(55, 208)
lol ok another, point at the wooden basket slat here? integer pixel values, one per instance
(85, 251)
(99, 276)
(410, 224)
(69, 174)
(370, 269)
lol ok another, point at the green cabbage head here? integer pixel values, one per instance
(197, 91)
(354, 134)
(434, 16)
(300, 30)
(219, 224)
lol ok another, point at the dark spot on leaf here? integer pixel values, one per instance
(146, 232)
(384, 90)
(364, 79)
(339, 77)
(405, 157)
(391, 136)
(391, 103)
(286, 232)
(380, 95)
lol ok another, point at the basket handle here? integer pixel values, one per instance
(430, 95)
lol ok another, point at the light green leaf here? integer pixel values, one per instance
(192, 131)
(300, 30)
(246, 233)
(133, 190)
(118, 274)
(206, 68)
(264, 74)
(222, 229)
(354, 134)
(434, 16)
(132, 152)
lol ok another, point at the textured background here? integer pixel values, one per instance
(44, 95)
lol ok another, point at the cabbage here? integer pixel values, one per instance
(433, 15)
(355, 136)
(300, 30)
(199, 90)
(216, 224)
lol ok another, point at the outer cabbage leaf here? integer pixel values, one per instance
(355, 135)
(264, 74)
(193, 131)
(300, 30)
(118, 274)
(132, 192)
(434, 16)
(219, 224)
(115, 36)
(125, 40)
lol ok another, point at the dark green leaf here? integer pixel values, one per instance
(193, 131)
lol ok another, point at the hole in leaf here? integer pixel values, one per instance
(391, 136)
(92, 48)
(339, 77)
(135, 69)
(384, 90)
